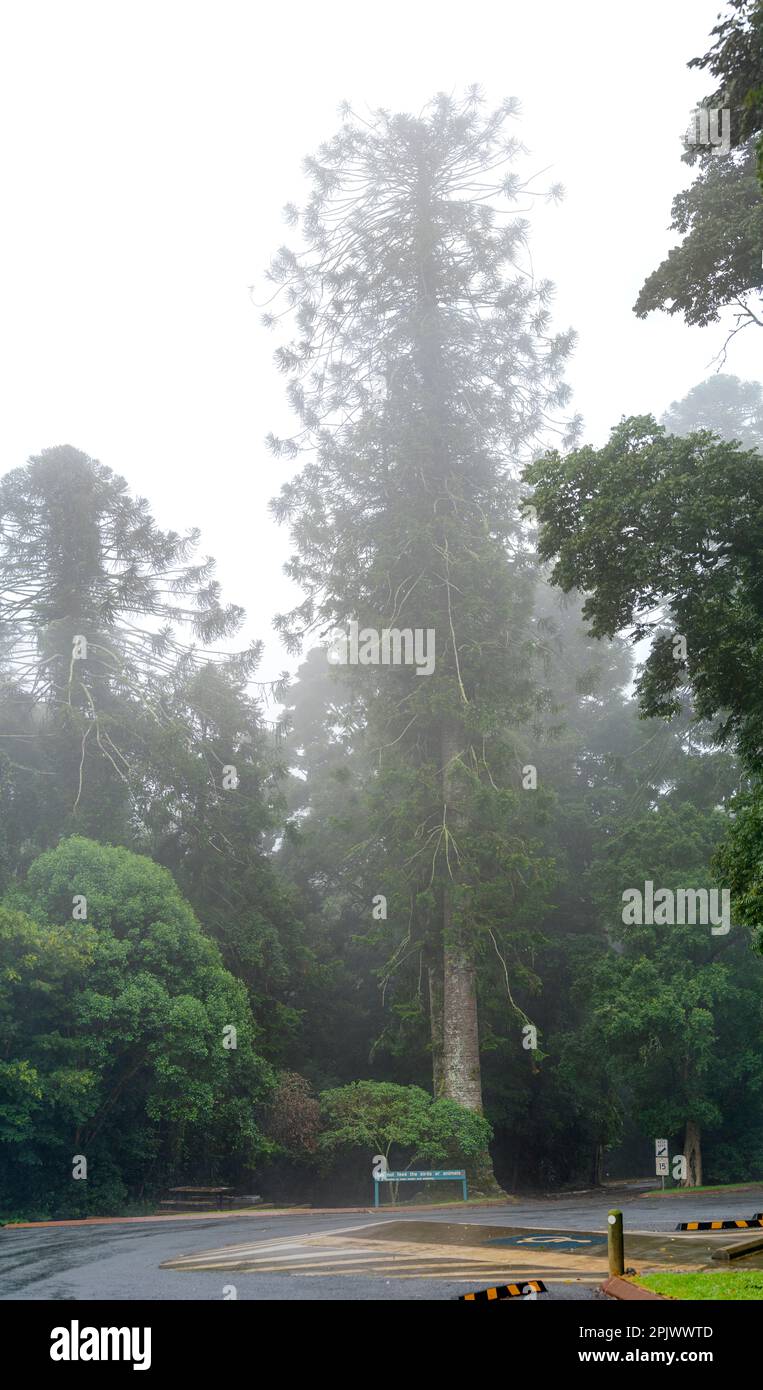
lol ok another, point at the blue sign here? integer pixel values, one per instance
(421, 1175)
(429, 1175)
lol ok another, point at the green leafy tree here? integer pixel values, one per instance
(678, 1009)
(720, 216)
(40, 969)
(663, 534)
(382, 1118)
(736, 60)
(114, 1029)
(717, 264)
(739, 861)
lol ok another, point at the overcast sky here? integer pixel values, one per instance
(147, 152)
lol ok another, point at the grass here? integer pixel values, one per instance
(691, 1191)
(727, 1285)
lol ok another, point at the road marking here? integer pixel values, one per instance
(310, 1256)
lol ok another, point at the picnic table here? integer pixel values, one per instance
(201, 1189)
(208, 1197)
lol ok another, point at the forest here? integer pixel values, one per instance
(254, 932)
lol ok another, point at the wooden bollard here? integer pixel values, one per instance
(615, 1243)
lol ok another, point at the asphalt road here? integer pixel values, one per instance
(123, 1261)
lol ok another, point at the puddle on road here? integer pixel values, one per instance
(660, 1249)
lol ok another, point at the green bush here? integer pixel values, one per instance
(112, 1038)
(381, 1117)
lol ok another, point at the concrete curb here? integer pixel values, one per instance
(739, 1249)
(256, 1212)
(625, 1291)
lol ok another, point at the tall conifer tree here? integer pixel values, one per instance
(423, 370)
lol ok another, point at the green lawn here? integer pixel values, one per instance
(730, 1284)
(691, 1191)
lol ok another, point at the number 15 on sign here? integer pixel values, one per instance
(662, 1161)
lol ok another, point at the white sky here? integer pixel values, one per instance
(147, 150)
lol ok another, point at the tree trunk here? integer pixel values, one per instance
(461, 1079)
(461, 1055)
(434, 971)
(693, 1155)
(597, 1165)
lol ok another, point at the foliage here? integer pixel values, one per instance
(660, 533)
(736, 58)
(679, 1008)
(125, 1061)
(721, 215)
(100, 611)
(293, 1115)
(148, 739)
(422, 365)
(739, 861)
(663, 535)
(381, 1117)
(424, 371)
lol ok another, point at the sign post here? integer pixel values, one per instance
(662, 1161)
(381, 1173)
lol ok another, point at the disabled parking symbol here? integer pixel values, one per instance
(552, 1240)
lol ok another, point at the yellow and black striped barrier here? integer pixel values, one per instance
(504, 1291)
(754, 1224)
